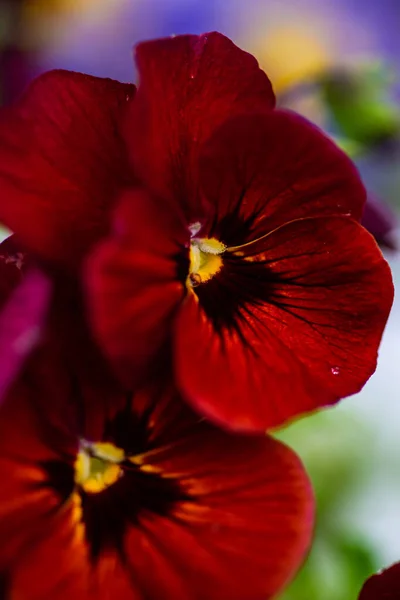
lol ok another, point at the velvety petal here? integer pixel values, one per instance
(245, 525)
(134, 285)
(261, 171)
(61, 162)
(292, 322)
(59, 565)
(188, 85)
(41, 421)
(93, 383)
(30, 439)
(47, 555)
(383, 586)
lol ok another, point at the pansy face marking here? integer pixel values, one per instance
(98, 466)
(205, 257)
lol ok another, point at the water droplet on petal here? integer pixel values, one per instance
(335, 370)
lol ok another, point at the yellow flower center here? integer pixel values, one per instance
(205, 259)
(97, 466)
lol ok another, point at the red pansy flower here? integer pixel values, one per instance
(235, 233)
(383, 586)
(242, 246)
(139, 498)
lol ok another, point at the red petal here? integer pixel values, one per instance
(247, 523)
(59, 566)
(261, 171)
(133, 284)
(293, 325)
(383, 586)
(61, 162)
(32, 433)
(188, 86)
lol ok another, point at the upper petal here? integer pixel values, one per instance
(188, 85)
(61, 161)
(383, 586)
(291, 322)
(260, 171)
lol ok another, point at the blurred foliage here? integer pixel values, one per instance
(352, 148)
(359, 99)
(332, 446)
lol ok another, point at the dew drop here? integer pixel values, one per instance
(335, 370)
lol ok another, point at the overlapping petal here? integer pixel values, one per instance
(188, 86)
(135, 282)
(238, 529)
(259, 171)
(292, 322)
(62, 161)
(383, 586)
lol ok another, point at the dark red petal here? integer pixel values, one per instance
(133, 283)
(61, 161)
(383, 586)
(261, 171)
(247, 520)
(307, 304)
(33, 433)
(188, 85)
(59, 565)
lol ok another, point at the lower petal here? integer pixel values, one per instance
(244, 523)
(312, 299)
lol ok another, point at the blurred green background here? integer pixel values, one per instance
(338, 63)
